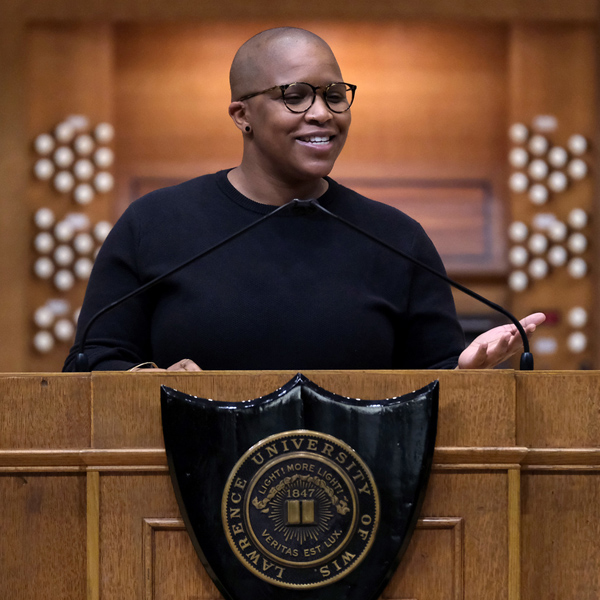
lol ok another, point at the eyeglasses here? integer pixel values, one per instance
(299, 96)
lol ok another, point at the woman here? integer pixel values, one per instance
(297, 291)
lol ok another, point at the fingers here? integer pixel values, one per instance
(488, 355)
(185, 364)
(506, 346)
(190, 365)
(530, 322)
(473, 357)
(479, 359)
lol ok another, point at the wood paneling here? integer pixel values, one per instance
(295, 9)
(558, 416)
(136, 421)
(170, 562)
(44, 412)
(169, 82)
(548, 420)
(430, 105)
(93, 534)
(437, 547)
(431, 97)
(487, 29)
(13, 168)
(514, 489)
(41, 555)
(458, 215)
(125, 502)
(553, 72)
(479, 498)
(69, 69)
(561, 517)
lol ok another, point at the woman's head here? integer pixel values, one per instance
(279, 143)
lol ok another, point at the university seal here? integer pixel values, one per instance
(300, 509)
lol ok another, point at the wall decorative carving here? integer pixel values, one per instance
(554, 238)
(75, 159)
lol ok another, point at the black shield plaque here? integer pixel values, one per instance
(300, 494)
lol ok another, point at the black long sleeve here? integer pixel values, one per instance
(297, 292)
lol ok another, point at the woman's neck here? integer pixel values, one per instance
(272, 191)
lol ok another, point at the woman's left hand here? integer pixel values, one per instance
(496, 345)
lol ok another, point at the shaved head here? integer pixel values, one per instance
(254, 61)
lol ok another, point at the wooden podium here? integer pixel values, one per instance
(512, 510)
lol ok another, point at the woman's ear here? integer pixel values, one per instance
(237, 112)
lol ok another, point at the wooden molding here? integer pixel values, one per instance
(93, 535)
(152, 526)
(154, 459)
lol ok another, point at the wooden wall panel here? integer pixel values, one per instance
(430, 106)
(45, 557)
(136, 422)
(44, 412)
(171, 83)
(170, 562)
(436, 126)
(514, 488)
(547, 10)
(436, 548)
(13, 212)
(69, 69)
(553, 72)
(547, 419)
(459, 215)
(561, 517)
(430, 99)
(125, 501)
(20, 16)
(481, 500)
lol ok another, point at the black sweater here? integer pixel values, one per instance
(299, 291)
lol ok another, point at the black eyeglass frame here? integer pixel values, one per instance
(351, 87)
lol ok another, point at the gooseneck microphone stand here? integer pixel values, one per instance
(301, 207)
(526, 362)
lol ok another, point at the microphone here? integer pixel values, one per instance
(526, 362)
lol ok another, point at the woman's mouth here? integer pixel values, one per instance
(315, 140)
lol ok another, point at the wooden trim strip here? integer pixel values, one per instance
(483, 455)
(579, 11)
(456, 525)
(143, 459)
(474, 467)
(83, 458)
(514, 534)
(150, 526)
(163, 524)
(589, 457)
(85, 469)
(93, 535)
(560, 468)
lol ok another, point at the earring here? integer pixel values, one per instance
(247, 129)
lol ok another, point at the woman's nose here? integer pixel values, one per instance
(319, 111)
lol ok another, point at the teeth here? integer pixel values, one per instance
(315, 139)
